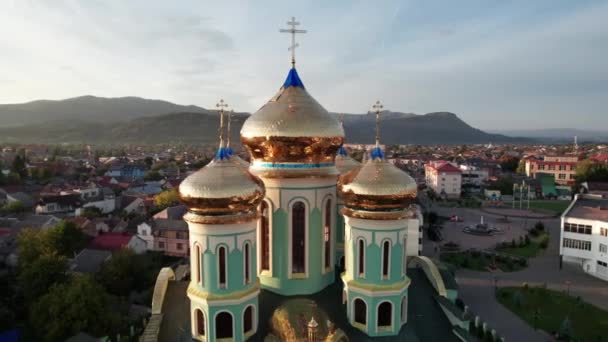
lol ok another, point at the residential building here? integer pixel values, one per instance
(584, 234)
(118, 241)
(89, 261)
(563, 168)
(165, 235)
(55, 204)
(444, 178)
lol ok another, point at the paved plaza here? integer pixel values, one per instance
(477, 288)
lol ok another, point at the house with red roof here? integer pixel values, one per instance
(117, 241)
(444, 178)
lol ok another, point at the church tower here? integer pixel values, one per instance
(377, 211)
(293, 141)
(222, 200)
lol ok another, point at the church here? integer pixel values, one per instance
(303, 243)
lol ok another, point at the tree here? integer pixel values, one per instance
(508, 163)
(13, 178)
(588, 171)
(31, 245)
(166, 199)
(153, 176)
(149, 161)
(36, 278)
(64, 238)
(15, 207)
(123, 273)
(521, 167)
(67, 309)
(19, 166)
(91, 212)
(540, 226)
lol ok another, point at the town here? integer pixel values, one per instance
(114, 213)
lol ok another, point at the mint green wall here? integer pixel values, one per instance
(235, 270)
(280, 282)
(339, 232)
(373, 258)
(236, 310)
(372, 314)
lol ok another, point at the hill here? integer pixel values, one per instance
(96, 120)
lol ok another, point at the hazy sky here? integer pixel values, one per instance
(497, 64)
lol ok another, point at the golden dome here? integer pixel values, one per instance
(344, 162)
(222, 187)
(292, 128)
(377, 186)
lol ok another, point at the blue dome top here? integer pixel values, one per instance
(342, 151)
(377, 153)
(222, 153)
(293, 80)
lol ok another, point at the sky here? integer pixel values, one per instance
(496, 64)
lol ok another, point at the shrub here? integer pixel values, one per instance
(513, 244)
(534, 232)
(540, 226)
(526, 240)
(544, 242)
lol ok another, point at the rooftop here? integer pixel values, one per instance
(589, 209)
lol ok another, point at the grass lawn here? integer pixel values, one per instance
(529, 251)
(588, 322)
(552, 207)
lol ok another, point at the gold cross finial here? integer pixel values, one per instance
(221, 105)
(293, 23)
(377, 108)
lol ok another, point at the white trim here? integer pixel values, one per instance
(392, 326)
(215, 338)
(227, 302)
(403, 317)
(404, 257)
(215, 241)
(247, 264)
(369, 293)
(358, 263)
(259, 239)
(197, 251)
(352, 311)
(254, 323)
(290, 236)
(195, 324)
(375, 224)
(241, 238)
(381, 236)
(390, 247)
(219, 284)
(332, 234)
(303, 183)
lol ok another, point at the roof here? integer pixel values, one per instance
(89, 260)
(22, 197)
(589, 209)
(597, 186)
(71, 199)
(173, 213)
(293, 79)
(168, 224)
(444, 166)
(111, 241)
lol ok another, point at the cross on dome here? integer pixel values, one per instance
(377, 151)
(222, 152)
(293, 23)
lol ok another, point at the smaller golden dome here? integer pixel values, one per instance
(377, 186)
(344, 162)
(222, 187)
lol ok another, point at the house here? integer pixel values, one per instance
(54, 204)
(172, 213)
(598, 188)
(444, 178)
(118, 241)
(584, 234)
(131, 204)
(127, 171)
(166, 235)
(106, 206)
(89, 261)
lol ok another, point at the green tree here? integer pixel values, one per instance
(152, 176)
(2, 178)
(19, 166)
(36, 278)
(15, 207)
(91, 212)
(31, 245)
(65, 238)
(149, 161)
(166, 199)
(67, 309)
(521, 167)
(13, 178)
(508, 163)
(124, 272)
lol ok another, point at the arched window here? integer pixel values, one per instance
(327, 234)
(361, 259)
(360, 311)
(384, 314)
(222, 266)
(265, 236)
(386, 246)
(223, 325)
(248, 319)
(403, 309)
(197, 263)
(247, 257)
(200, 322)
(298, 238)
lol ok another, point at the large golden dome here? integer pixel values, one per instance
(375, 188)
(292, 128)
(222, 187)
(344, 162)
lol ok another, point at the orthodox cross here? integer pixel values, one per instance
(293, 23)
(221, 105)
(377, 107)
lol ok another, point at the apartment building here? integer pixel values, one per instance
(563, 168)
(444, 178)
(584, 234)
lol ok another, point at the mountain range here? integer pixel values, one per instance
(97, 120)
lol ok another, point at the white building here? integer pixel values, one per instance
(473, 177)
(444, 178)
(584, 234)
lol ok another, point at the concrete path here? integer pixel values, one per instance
(477, 288)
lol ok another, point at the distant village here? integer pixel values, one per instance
(126, 198)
